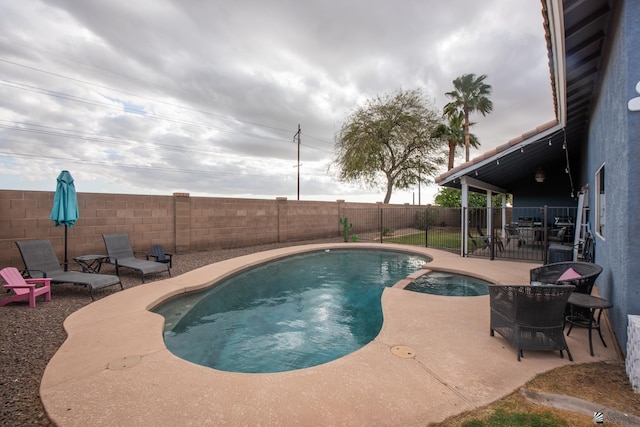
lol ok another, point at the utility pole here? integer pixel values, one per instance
(297, 134)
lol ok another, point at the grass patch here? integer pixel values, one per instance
(605, 383)
(437, 239)
(502, 418)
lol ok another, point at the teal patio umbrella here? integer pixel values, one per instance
(65, 207)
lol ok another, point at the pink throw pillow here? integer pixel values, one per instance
(569, 274)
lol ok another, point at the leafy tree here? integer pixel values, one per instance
(389, 142)
(470, 95)
(452, 198)
(454, 134)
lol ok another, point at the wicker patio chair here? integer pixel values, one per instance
(552, 274)
(530, 317)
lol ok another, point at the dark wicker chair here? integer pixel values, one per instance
(530, 317)
(550, 274)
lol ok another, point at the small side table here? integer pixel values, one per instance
(592, 304)
(90, 263)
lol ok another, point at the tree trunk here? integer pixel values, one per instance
(387, 196)
(466, 134)
(452, 152)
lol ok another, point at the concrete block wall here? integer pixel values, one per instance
(398, 217)
(178, 222)
(24, 215)
(309, 220)
(227, 223)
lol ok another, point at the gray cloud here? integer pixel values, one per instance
(205, 97)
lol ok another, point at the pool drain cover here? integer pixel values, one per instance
(403, 351)
(123, 363)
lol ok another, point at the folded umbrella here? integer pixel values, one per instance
(65, 206)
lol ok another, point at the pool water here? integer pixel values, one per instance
(293, 313)
(449, 284)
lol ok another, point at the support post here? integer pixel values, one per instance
(504, 215)
(464, 227)
(490, 224)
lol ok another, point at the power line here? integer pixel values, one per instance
(138, 167)
(93, 137)
(73, 98)
(35, 89)
(140, 96)
(221, 116)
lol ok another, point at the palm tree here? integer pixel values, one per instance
(470, 95)
(454, 134)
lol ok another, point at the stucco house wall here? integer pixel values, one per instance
(614, 140)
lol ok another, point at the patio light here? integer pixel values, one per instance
(539, 175)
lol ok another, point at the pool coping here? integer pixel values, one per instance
(114, 368)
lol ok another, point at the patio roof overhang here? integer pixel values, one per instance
(576, 33)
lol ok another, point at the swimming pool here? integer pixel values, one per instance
(449, 284)
(288, 314)
(144, 383)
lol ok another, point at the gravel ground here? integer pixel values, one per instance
(30, 337)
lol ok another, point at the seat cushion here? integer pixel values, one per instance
(569, 274)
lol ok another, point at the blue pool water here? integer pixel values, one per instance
(449, 284)
(292, 313)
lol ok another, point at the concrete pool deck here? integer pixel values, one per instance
(433, 358)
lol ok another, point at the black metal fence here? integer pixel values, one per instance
(412, 225)
(523, 233)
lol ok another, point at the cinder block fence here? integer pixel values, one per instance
(178, 222)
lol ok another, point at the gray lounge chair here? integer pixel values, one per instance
(530, 317)
(40, 260)
(121, 254)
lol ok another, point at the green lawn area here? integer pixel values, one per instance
(437, 239)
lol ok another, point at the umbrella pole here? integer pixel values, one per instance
(66, 262)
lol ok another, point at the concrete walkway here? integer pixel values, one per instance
(432, 359)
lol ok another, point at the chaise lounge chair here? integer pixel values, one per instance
(40, 260)
(24, 289)
(487, 239)
(477, 242)
(530, 317)
(121, 254)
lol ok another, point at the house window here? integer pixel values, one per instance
(600, 201)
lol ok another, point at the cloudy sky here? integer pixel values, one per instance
(205, 97)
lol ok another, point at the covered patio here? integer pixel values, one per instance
(546, 166)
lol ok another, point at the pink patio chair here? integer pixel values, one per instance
(24, 289)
